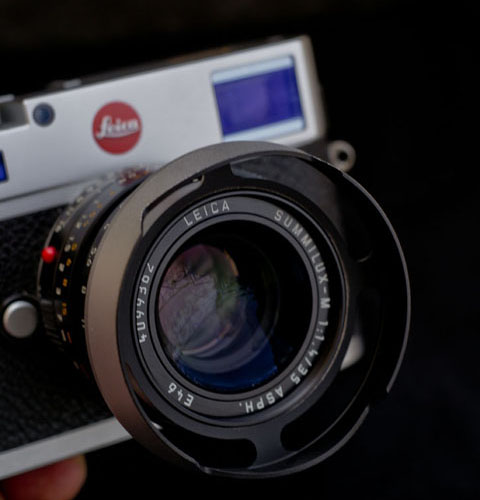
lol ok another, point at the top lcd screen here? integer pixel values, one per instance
(259, 101)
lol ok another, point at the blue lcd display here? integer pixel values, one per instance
(259, 101)
(3, 170)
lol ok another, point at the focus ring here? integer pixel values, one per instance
(61, 287)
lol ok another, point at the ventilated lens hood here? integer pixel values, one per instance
(355, 278)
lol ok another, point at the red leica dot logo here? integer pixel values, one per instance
(117, 127)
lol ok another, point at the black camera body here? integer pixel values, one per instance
(237, 309)
(41, 395)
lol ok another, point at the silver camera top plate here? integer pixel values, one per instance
(51, 144)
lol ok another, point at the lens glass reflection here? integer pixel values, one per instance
(219, 307)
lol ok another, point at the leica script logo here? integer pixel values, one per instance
(117, 127)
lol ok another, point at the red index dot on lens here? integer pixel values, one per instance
(49, 254)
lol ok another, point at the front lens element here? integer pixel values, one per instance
(220, 307)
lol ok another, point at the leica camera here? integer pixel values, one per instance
(184, 260)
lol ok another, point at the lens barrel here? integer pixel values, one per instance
(215, 299)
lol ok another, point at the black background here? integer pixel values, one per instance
(400, 85)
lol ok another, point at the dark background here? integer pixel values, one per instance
(400, 85)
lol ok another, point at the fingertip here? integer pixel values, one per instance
(59, 481)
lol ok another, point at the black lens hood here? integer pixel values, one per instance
(367, 273)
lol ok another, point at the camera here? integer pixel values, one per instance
(182, 253)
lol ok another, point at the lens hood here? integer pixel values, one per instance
(224, 294)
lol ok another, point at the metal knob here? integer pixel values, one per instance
(20, 319)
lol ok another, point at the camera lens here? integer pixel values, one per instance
(214, 302)
(222, 306)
